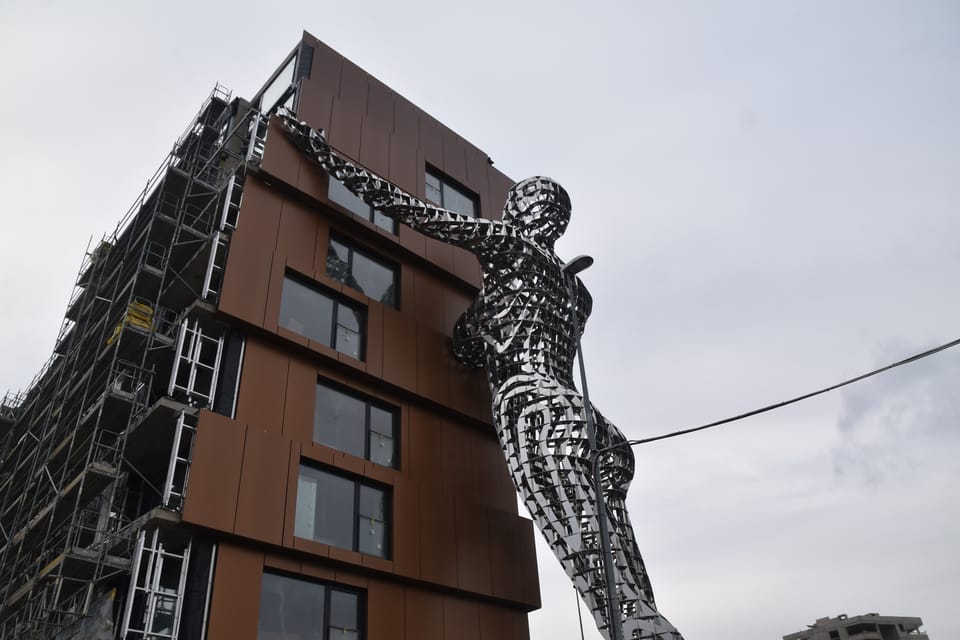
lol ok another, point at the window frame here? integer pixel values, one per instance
(371, 213)
(368, 402)
(352, 249)
(328, 589)
(337, 301)
(446, 182)
(358, 482)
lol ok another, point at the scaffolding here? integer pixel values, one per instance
(86, 501)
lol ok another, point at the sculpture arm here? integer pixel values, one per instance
(381, 194)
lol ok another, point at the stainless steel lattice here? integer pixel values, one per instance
(521, 330)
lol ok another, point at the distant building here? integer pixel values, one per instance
(869, 626)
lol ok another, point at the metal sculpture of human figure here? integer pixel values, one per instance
(521, 330)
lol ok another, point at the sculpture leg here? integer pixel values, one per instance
(543, 434)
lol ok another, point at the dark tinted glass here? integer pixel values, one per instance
(374, 278)
(384, 222)
(434, 189)
(290, 609)
(371, 522)
(344, 615)
(381, 436)
(348, 332)
(339, 421)
(329, 499)
(338, 193)
(306, 311)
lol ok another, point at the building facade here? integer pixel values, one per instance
(869, 626)
(252, 425)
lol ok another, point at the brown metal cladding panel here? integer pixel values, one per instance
(375, 147)
(440, 254)
(461, 618)
(314, 106)
(380, 99)
(426, 448)
(431, 140)
(312, 180)
(345, 129)
(406, 529)
(271, 312)
(211, 499)
(374, 340)
(404, 170)
(526, 558)
(507, 574)
(434, 361)
(247, 276)
(280, 158)
(457, 458)
(319, 90)
(424, 615)
(399, 349)
(473, 548)
(491, 477)
(454, 304)
(477, 177)
(406, 122)
(263, 487)
(282, 562)
(316, 570)
(428, 301)
(408, 300)
(298, 406)
(235, 603)
(289, 514)
(499, 185)
(385, 602)
(497, 622)
(469, 392)
(466, 267)
(455, 158)
(412, 240)
(521, 626)
(261, 398)
(297, 239)
(438, 534)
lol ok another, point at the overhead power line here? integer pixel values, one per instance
(805, 396)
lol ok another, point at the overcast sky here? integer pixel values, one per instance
(770, 190)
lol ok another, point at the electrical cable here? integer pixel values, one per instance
(771, 407)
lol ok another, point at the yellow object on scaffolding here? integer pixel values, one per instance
(139, 314)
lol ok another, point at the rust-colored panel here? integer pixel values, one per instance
(297, 239)
(507, 574)
(466, 267)
(345, 129)
(247, 276)
(499, 185)
(211, 499)
(424, 615)
(426, 449)
(271, 313)
(315, 106)
(399, 349)
(412, 240)
(408, 300)
(235, 602)
(438, 534)
(281, 561)
(345, 576)
(386, 620)
(457, 459)
(469, 392)
(404, 170)
(521, 626)
(317, 570)
(440, 254)
(455, 303)
(455, 158)
(526, 559)
(477, 179)
(320, 88)
(406, 122)
(496, 621)
(312, 180)
(374, 339)
(300, 398)
(290, 508)
(491, 477)
(261, 398)
(375, 146)
(473, 547)
(313, 548)
(280, 158)
(406, 529)
(428, 301)
(431, 140)
(434, 362)
(377, 564)
(380, 104)
(263, 487)
(461, 618)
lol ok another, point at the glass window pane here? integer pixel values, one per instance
(456, 200)
(384, 222)
(434, 190)
(372, 539)
(372, 503)
(348, 342)
(381, 421)
(305, 311)
(275, 91)
(339, 421)
(337, 192)
(334, 509)
(374, 278)
(381, 449)
(306, 515)
(338, 264)
(290, 609)
(344, 612)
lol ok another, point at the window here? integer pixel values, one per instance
(448, 194)
(341, 512)
(280, 90)
(321, 318)
(360, 271)
(297, 609)
(355, 426)
(338, 193)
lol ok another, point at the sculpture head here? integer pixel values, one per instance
(539, 209)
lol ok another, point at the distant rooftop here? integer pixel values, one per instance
(869, 626)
